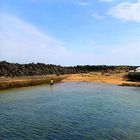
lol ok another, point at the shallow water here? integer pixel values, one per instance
(70, 111)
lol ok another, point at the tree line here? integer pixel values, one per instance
(15, 69)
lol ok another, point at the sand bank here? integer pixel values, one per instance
(114, 78)
(117, 78)
(15, 82)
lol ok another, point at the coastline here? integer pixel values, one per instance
(117, 78)
(97, 77)
(16, 82)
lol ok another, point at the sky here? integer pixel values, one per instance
(70, 32)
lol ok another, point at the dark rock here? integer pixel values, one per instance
(15, 69)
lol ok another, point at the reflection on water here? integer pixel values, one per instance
(70, 111)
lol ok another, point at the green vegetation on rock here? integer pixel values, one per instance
(31, 69)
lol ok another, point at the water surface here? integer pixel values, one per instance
(70, 111)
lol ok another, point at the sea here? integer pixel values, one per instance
(70, 111)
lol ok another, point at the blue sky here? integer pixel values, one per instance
(70, 32)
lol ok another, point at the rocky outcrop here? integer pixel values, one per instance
(31, 69)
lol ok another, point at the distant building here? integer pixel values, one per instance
(134, 75)
(137, 69)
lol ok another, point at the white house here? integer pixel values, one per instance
(137, 69)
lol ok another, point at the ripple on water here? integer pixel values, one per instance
(70, 111)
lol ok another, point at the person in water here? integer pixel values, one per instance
(51, 82)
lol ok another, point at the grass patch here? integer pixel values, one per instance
(28, 81)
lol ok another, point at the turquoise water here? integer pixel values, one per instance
(70, 111)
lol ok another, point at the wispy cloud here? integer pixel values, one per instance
(97, 16)
(127, 11)
(81, 2)
(22, 42)
(106, 0)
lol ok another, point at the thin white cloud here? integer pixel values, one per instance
(126, 11)
(107, 0)
(23, 43)
(20, 41)
(81, 2)
(97, 16)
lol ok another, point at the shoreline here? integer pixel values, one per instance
(117, 79)
(97, 77)
(17, 82)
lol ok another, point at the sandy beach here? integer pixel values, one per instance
(114, 78)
